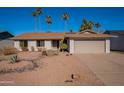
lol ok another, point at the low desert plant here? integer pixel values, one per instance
(14, 59)
(44, 53)
(9, 50)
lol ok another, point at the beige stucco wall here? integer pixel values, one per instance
(75, 46)
(32, 43)
(48, 44)
(107, 47)
(71, 46)
(17, 45)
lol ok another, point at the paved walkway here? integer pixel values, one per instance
(107, 67)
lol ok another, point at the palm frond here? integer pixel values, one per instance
(65, 16)
(48, 19)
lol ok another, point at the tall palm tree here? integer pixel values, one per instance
(48, 21)
(91, 24)
(65, 17)
(34, 14)
(81, 28)
(86, 25)
(39, 11)
(97, 25)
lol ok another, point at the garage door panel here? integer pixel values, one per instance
(88, 46)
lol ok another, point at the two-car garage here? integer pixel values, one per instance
(88, 41)
(78, 46)
(89, 46)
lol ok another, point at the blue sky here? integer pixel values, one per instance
(19, 20)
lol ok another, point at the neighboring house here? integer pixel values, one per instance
(5, 39)
(80, 42)
(117, 42)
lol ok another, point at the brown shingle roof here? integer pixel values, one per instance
(39, 36)
(58, 35)
(87, 34)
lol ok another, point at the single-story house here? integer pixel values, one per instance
(79, 42)
(117, 42)
(5, 39)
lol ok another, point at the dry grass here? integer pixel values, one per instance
(9, 50)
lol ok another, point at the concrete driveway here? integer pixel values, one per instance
(107, 67)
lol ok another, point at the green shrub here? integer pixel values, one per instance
(14, 59)
(9, 50)
(64, 46)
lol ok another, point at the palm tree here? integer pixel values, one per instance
(81, 28)
(48, 21)
(65, 17)
(86, 25)
(34, 14)
(39, 11)
(91, 24)
(97, 25)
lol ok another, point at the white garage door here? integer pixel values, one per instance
(89, 46)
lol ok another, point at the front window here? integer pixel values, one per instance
(55, 43)
(23, 43)
(40, 43)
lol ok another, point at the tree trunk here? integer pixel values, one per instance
(39, 23)
(35, 23)
(48, 27)
(65, 25)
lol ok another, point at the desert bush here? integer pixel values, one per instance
(44, 53)
(14, 59)
(9, 68)
(9, 50)
(64, 47)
